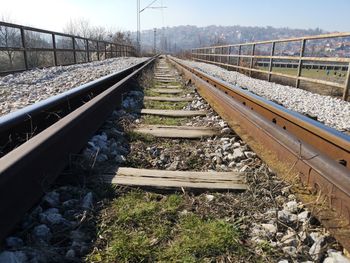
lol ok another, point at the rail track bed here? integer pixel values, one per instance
(166, 179)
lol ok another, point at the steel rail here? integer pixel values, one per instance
(17, 127)
(328, 140)
(293, 39)
(321, 59)
(291, 144)
(311, 80)
(27, 171)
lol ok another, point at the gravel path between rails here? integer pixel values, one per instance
(331, 111)
(22, 89)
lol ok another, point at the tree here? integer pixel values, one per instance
(10, 37)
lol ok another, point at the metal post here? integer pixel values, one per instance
(271, 61)
(87, 50)
(239, 56)
(105, 50)
(98, 50)
(138, 28)
(228, 60)
(300, 63)
(74, 52)
(222, 52)
(154, 41)
(54, 49)
(252, 60)
(347, 85)
(24, 49)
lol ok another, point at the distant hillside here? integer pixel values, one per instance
(174, 39)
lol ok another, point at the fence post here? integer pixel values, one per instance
(87, 50)
(98, 50)
(271, 61)
(74, 52)
(228, 60)
(221, 53)
(24, 49)
(239, 56)
(347, 84)
(252, 59)
(54, 49)
(300, 63)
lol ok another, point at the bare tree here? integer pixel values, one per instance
(82, 27)
(78, 27)
(9, 38)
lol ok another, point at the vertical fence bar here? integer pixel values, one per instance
(105, 50)
(300, 63)
(252, 60)
(271, 60)
(98, 50)
(25, 58)
(347, 85)
(221, 53)
(87, 50)
(54, 49)
(239, 57)
(228, 57)
(74, 52)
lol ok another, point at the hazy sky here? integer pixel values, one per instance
(332, 15)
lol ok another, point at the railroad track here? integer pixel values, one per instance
(293, 145)
(58, 127)
(289, 143)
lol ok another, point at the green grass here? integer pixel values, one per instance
(135, 136)
(157, 120)
(148, 227)
(198, 239)
(164, 105)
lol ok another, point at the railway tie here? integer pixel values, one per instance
(174, 180)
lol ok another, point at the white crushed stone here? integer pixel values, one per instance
(331, 111)
(22, 89)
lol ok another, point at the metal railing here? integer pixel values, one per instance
(225, 54)
(23, 48)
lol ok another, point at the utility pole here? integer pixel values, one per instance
(155, 41)
(138, 34)
(139, 11)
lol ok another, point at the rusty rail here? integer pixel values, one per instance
(57, 46)
(222, 56)
(299, 149)
(27, 171)
(19, 126)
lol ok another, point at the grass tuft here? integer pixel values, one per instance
(165, 105)
(157, 120)
(136, 136)
(148, 227)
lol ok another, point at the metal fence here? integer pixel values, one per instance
(23, 48)
(300, 54)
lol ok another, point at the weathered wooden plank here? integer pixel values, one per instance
(168, 86)
(158, 75)
(165, 80)
(168, 91)
(173, 113)
(177, 131)
(177, 179)
(173, 99)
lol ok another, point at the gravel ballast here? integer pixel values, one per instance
(26, 88)
(331, 111)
